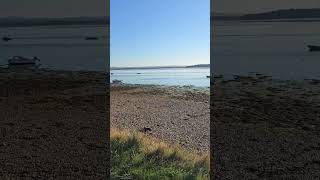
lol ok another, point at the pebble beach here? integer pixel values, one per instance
(54, 123)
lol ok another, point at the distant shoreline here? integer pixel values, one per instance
(231, 19)
(161, 67)
(277, 15)
(30, 22)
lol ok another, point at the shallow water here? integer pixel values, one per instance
(168, 76)
(278, 49)
(58, 47)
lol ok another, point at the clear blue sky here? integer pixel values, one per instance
(159, 32)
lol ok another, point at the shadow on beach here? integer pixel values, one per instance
(53, 124)
(265, 128)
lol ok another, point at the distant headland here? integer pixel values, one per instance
(284, 14)
(161, 67)
(277, 14)
(24, 22)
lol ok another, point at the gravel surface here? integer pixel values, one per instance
(265, 129)
(53, 125)
(178, 115)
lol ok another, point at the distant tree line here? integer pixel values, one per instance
(278, 14)
(284, 14)
(21, 22)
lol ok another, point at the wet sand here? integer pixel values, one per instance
(53, 125)
(265, 129)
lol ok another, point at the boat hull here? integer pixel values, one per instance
(91, 38)
(18, 62)
(314, 48)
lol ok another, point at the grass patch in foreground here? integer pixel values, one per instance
(136, 156)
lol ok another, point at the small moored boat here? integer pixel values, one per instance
(313, 48)
(18, 61)
(91, 38)
(6, 39)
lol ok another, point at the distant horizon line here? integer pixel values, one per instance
(48, 17)
(164, 66)
(257, 12)
(49, 21)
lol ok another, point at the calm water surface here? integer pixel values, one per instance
(171, 76)
(278, 49)
(58, 47)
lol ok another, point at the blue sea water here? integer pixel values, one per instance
(165, 76)
(278, 49)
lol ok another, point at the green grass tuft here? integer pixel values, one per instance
(136, 156)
